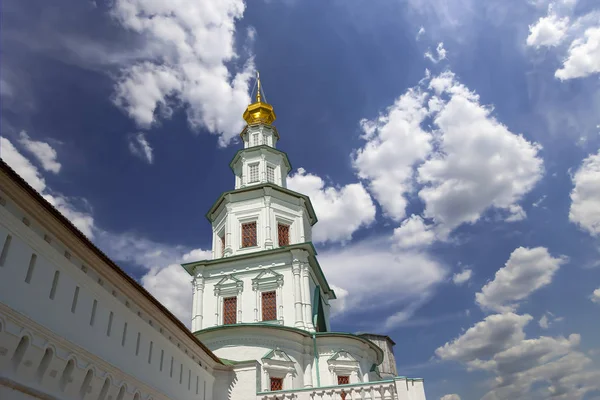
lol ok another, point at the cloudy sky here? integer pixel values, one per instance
(450, 148)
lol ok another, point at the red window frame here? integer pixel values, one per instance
(269, 306)
(283, 234)
(343, 380)
(276, 384)
(249, 238)
(229, 310)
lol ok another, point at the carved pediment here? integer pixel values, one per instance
(229, 283)
(267, 278)
(277, 355)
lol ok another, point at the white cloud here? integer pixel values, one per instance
(450, 397)
(194, 43)
(494, 334)
(543, 322)
(440, 52)
(45, 153)
(461, 277)
(404, 279)
(548, 319)
(171, 285)
(139, 250)
(548, 31)
(21, 165)
(585, 197)
(341, 211)
(583, 33)
(526, 271)
(339, 305)
(139, 146)
(83, 220)
(595, 297)
(498, 345)
(479, 163)
(583, 58)
(463, 164)
(413, 233)
(420, 33)
(395, 142)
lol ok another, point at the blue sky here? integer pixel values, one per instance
(450, 148)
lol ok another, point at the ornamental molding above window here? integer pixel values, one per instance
(277, 364)
(266, 280)
(343, 363)
(229, 285)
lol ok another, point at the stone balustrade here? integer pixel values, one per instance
(399, 388)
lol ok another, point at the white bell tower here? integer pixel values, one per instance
(263, 267)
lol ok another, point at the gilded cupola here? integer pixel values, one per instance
(259, 112)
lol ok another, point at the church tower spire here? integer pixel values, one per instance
(263, 266)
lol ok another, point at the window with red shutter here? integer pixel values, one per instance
(283, 233)
(269, 306)
(229, 310)
(249, 234)
(343, 380)
(276, 384)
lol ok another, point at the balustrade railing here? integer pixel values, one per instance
(380, 390)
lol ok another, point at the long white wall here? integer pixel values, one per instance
(44, 282)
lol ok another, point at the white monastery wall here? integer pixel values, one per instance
(45, 284)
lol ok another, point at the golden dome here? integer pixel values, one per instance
(259, 112)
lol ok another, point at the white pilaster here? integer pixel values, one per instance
(197, 303)
(308, 361)
(268, 222)
(306, 297)
(296, 268)
(301, 222)
(229, 232)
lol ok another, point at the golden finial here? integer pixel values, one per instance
(258, 87)
(259, 112)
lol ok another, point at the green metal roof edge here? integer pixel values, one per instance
(280, 249)
(189, 267)
(377, 334)
(262, 146)
(311, 210)
(296, 330)
(226, 361)
(377, 348)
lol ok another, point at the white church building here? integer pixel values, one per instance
(73, 325)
